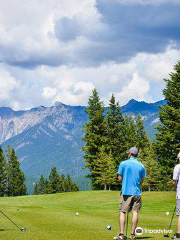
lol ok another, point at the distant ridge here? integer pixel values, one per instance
(52, 136)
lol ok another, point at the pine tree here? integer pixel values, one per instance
(75, 187)
(2, 173)
(135, 134)
(168, 137)
(36, 190)
(141, 135)
(62, 183)
(115, 130)
(149, 160)
(68, 184)
(54, 180)
(47, 188)
(106, 169)
(130, 137)
(16, 178)
(41, 185)
(94, 134)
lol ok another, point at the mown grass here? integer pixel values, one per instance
(53, 217)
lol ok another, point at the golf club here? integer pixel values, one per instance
(167, 235)
(125, 237)
(21, 229)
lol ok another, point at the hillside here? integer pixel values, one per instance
(51, 136)
(54, 216)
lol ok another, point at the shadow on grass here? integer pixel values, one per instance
(2, 230)
(143, 237)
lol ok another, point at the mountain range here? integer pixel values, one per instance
(45, 137)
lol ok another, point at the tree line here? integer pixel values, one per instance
(55, 184)
(109, 135)
(12, 179)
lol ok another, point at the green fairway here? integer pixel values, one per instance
(53, 217)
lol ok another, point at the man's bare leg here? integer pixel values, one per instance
(122, 220)
(134, 221)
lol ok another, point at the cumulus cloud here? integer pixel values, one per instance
(60, 51)
(84, 32)
(138, 88)
(49, 92)
(7, 85)
(140, 78)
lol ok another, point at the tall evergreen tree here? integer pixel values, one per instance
(54, 180)
(41, 185)
(149, 160)
(36, 190)
(135, 134)
(94, 134)
(47, 189)
(16, 178)
(68, 184)
(75, 187)
(168, 137)
(115, 130)
(130, 137)
(2, 173)
(141, 135)
(106, 169)
(62, 186)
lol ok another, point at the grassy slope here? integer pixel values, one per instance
(52, 217)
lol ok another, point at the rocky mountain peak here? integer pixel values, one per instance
(58, 104)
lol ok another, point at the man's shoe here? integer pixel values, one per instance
(132, 236)
(176, 236)
(119, 236)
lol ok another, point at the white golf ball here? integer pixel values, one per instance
(108, 227)
(167, 213)
(77, 214)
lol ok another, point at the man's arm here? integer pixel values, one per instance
(120, 172)
(143, 175)
(175, 182)
(119, 177)
(175, 176)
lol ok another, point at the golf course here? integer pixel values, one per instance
(53, 217)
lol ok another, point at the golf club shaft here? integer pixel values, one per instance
(172, 218)
(10, 220)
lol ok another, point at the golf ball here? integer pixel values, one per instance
(167, 213)
(77, 214)
(108, 227)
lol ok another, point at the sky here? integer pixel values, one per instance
(61, 50)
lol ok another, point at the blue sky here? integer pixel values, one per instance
(60, 50)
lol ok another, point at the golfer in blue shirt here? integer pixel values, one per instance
(132, 173)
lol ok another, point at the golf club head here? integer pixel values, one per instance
(167, 235)
(23, 229)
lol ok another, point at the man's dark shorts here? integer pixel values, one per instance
(129, 203)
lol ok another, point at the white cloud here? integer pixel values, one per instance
(27, 32)
(49, 92)
(76, 94)
(7, 85)
(138, 88)
(156, 67)
(26, 88)
(82, 32)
